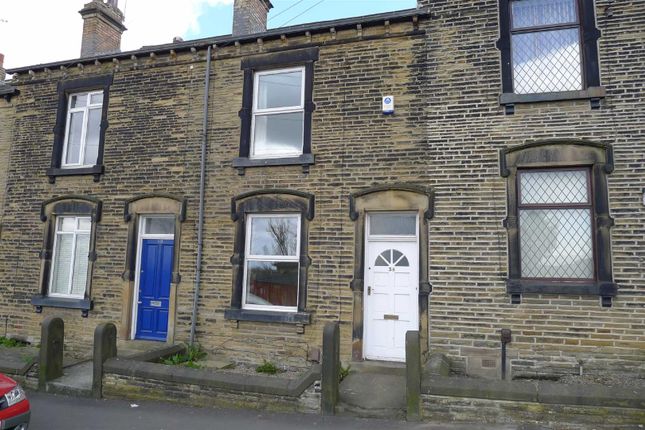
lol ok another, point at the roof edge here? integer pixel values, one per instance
(319, 26)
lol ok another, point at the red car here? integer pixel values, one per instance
(14, 406)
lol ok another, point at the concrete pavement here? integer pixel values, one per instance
(53, 412)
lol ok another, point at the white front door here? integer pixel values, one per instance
(391, 289)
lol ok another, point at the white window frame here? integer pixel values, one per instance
(270, 258)
(75, 233)
(273, 111)
(86, 114)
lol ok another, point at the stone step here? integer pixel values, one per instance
(68, 390)
(344, 409)
(373, 391)
(76, 381)
(381, 367)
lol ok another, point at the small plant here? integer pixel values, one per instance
(268, 368)
(343, 372)
(193, 353)
(11, 343)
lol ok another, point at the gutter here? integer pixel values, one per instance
(202, 186)
(7, 92)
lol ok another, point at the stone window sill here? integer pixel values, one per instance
(593, 94)
(304, 160)
(267, 316)
(595, 288)
(85, 305)
(97, 171)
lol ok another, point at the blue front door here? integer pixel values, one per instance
(154, 289)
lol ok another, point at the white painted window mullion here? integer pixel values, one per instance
(86, 119)
(72, 261)
(67, 128)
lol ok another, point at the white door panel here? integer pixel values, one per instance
(391, 297)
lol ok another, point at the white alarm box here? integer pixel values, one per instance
(388, 105)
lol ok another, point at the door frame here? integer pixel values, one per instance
(137, 275)
(393, 239)
(401, 198)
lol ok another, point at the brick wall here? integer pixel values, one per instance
(468, 245)
(6, 135)
(557, 417)
(250, 16)
(119, 386)
(446, 134)
(152, 145)
(102, 29)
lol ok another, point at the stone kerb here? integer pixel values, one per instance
(330, 368)
(104, 348)
(51, 350)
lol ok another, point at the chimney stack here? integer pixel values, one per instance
(3, 74)
(102, 28)
(250, 16)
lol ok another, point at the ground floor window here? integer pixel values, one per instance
(71, 257)
(272, 262)
(558, 223)
(555, 219)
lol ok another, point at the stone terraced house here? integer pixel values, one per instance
(460, 168)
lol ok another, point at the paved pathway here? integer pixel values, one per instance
(54, 412)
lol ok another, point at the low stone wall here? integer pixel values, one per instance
(549, 404)
(544, 416)
(200, 387)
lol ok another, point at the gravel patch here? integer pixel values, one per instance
(609, 380)
(249, 370)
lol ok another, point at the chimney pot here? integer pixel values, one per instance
(102, 28)
(3, 74)
(250, 16)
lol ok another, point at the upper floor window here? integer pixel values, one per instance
(277, 109)
(71, 256)
(81, 123)
(545, 41)
(549, 47)
(82, 129)
(278, 113)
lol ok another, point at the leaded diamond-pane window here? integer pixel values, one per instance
(555, 221)
(545, 46)
(555, 187)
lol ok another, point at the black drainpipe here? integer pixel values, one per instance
(202, 185)
(506, 338)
